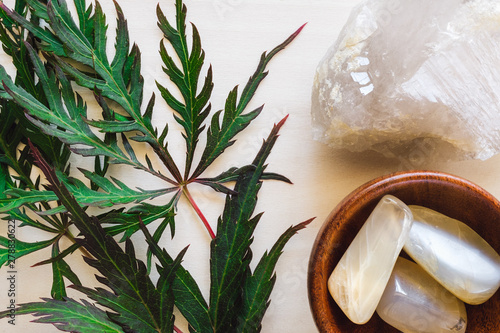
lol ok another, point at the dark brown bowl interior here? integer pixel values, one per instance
(450, 195)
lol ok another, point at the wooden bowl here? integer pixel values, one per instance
(450, 195)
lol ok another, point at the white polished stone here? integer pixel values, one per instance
(359, 279)
(454, 254)
(413, 302)
(414, 79)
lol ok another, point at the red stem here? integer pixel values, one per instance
(177, 329)
(198, 211)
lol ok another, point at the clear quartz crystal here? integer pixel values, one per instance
(413, 302)
(360, 277)
(454, 254)
(414, 79)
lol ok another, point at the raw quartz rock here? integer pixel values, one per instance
(453, 254)
(359, 279)
(413, 79)
(413, 302)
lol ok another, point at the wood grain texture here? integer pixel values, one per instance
(445, 193)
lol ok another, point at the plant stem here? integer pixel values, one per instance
(198, 211)
(176, 329)
(72, 238)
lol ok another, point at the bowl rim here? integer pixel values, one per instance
(358, 198)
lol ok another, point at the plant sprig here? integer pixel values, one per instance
(56, 57)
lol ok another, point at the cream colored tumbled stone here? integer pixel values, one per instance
(413, 302)
(454, 254)
(360, 277)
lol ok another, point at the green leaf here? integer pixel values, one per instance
(188, 297)
(48, 40)
(76, 45)
(39, 108)
(61, 270)
(165, 286)
(112, 193)
(127, 222)
(59, 256)
(121, 81)
(23, 197)
(82, 50)
(69, 315)
(169, 221)
(257, 288)
(38, 9)
(194, 108)
(220, 136)
(26, 220)
(14, 126)
(134, 297)
(13, 249)
(217, 182)
(230, 250)
(10, 139)
(71, 130)
(85, 20)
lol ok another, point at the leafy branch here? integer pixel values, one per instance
(57, 57)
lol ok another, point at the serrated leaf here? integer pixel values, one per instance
(77, 51)
(60, 256)
(112, 193)
(94, 56)
(61, 270)
(14, 127)
(113, 126)
(127, 222)
(23, 197)
(48, 40)
(76, 45)
(230, 250)
(188, 297)
(218, 182)
(121, 81)
(220, 136)
(71, 130)
(132, 313)
(168, 221)
(18, 215)
(193, 109)
(135, 297)
(165, 286)
(85, 19)
(69, 315)
(258, 287)
(14, 249)
(38, 9)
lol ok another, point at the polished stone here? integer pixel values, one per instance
(454, 254)
(413, 79)
(359, 279)
(413, 302)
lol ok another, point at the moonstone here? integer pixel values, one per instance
(359, 279)
(413, 79)
(413, 302)
(453, 254)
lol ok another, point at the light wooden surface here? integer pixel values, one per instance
(234, 33)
